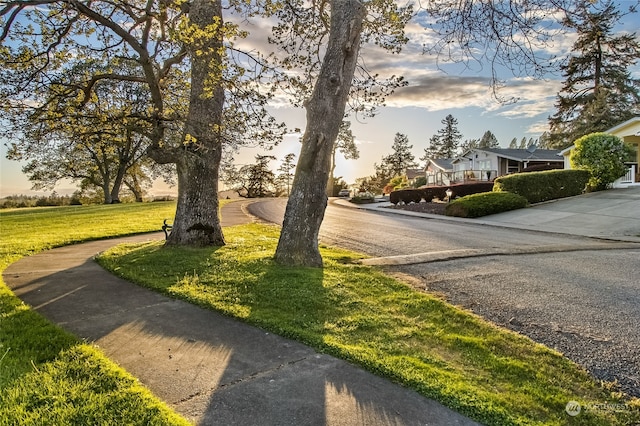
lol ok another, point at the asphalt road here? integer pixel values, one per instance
(578, 295)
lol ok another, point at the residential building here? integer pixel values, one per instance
(629, 132)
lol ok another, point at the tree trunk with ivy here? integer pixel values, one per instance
(298, 244)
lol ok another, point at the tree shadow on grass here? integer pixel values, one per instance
(214, 369)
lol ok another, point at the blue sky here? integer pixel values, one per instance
(416, 110)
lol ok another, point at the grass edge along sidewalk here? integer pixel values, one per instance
(48, 376)
(358, 313)
(76, 384)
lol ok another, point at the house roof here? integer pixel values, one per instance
(629, 126)
(414, 173)
(444, 164)
(520, 154)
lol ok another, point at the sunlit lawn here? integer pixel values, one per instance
(47, 376)
(359, 314)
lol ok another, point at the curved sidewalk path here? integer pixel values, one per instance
(210, 368)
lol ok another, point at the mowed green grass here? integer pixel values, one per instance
(47, 376)
(359, 314)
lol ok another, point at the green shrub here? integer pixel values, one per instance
(362, 198)
(543, 186)
(603, 155)
(485, 203)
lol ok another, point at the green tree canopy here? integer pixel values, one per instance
(445, 143)
(599, 91)
(488, 140)
(401, 159)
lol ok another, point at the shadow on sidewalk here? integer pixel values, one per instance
(210, 368)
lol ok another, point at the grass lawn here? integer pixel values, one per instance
(47, 376)
(359, 314)
(355, 312)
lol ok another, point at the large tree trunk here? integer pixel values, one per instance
(298, 244)
(106, 192)
(134, 186)
(197, 222)
(117, 183)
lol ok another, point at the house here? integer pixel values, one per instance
(488, 163)
(629, 132)
(438, 171)
(413, 174)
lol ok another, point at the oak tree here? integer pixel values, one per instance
(324, 40)
(164, 47)
(325, 85)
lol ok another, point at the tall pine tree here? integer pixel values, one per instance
(402, 157)
(488, 140)
(598, 92)
(445, 143)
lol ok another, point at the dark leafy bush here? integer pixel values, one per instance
(542, 167)
(543, 186)
(463, 189)
(406, 196)
(428, 193)
(485, 203)
(431, 192)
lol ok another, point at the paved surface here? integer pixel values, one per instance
(210, 368)
(215, 370)
(612, 214)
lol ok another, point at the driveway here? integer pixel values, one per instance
(607, 214)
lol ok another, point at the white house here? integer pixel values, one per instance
(438, 171)
(489, 163)
(629, 132)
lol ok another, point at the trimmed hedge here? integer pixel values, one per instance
(542, 168)
(484, 204)
(428, 193)
(464, 189)
(407, 196)
(543, 186)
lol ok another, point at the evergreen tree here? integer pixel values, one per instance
(445, 143)
(523, 143)
(544, 141)
(431, 150)
(514, 143)
(285, 176)
(258, 179)
(402, 157)
(488, 140)
(468, 144)
(598, 91)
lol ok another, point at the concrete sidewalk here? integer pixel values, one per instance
(210, 368)
(613, 214)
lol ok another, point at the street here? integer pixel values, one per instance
(578, 295)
